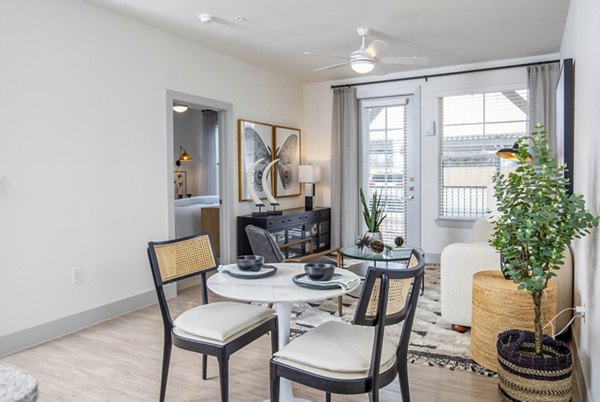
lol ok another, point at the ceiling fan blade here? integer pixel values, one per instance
(331, 66)
(375, 47)
(418, 61)
(325, 55)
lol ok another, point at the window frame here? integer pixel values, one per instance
(465, 221)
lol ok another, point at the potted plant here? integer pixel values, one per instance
(374, 215)
(537, 220)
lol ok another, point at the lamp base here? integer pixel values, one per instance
(308, 203)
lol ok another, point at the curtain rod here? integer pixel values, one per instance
(426, 77)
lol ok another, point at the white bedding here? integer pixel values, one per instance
(187, 213)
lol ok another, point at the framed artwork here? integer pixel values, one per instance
(255, 142)
(564, 120)
(180, 184)
(286, 142)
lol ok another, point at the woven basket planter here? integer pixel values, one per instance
(523, 376)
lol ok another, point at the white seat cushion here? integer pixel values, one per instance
(336, 350)
(220, 321)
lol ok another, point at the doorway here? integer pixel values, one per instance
(389, 163)
(200, 169)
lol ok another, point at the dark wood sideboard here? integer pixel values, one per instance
(293, 224)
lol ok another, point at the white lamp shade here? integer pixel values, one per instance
(309, 174)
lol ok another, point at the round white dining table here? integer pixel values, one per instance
(280, 290)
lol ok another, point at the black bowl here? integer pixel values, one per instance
(318, 271)
(250, 262)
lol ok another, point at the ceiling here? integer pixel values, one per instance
(276, 32)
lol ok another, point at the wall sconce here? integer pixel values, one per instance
(180, 107)
(309, 175)
(511, 154)
(183, 156)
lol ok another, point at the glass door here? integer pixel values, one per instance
(389, 164)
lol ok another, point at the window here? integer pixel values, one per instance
(384, 162)
(472, 128)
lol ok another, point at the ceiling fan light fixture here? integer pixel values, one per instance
(362, 66)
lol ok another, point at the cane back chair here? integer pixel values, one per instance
(353, 359)
(215, 329)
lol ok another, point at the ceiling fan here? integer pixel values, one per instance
(366, 58)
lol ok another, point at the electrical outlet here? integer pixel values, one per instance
(77, 275)
(581, 311)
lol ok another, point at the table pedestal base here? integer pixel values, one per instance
(284, 314)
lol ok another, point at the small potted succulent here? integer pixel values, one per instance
(537, 220)
(373, 214)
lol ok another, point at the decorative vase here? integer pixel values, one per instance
(524, 376)
(374, 235)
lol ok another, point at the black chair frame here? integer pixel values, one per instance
(374, 380)
(221, 352)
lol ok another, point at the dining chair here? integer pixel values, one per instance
(215, 329)
(262, 243)
(357, 358)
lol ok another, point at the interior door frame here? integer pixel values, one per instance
(227, 163)
(413, 164)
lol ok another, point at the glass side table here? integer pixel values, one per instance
(400, 254)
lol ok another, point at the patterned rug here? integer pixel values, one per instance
(432, 343)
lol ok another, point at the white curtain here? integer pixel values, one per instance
(344, 168)
(209, 177)
(541, 81)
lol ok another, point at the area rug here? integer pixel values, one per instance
(432, 342)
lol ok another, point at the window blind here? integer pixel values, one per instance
(384, 162)
(472, 128)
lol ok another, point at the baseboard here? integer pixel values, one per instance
(29, 337)
(431, 258)
(579, 377)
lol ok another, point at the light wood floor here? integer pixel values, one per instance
(120, 360)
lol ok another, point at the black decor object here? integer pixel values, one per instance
(318, 271)
(296, 280)
(250, 262)
(269, 270)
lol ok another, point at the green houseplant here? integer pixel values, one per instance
(537, 220)
(373, 214)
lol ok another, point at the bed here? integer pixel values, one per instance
(188, 213)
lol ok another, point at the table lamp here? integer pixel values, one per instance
(309, 175)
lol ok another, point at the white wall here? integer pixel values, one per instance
(318, 99)
(581, 42)
(81, 89)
